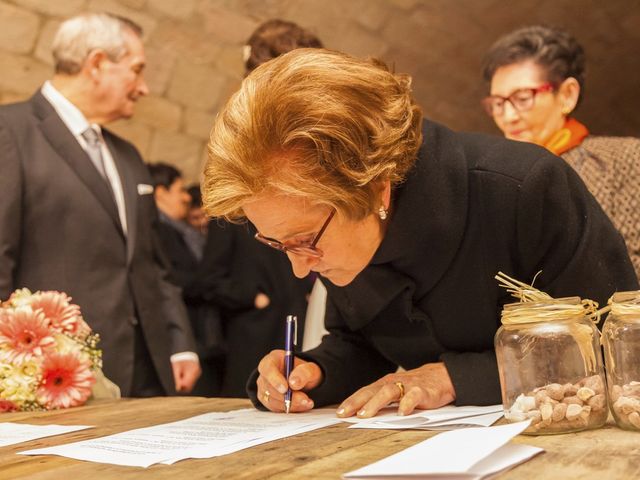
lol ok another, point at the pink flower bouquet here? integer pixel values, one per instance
(48, 356)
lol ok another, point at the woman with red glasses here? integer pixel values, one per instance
(406, 222)
(536, 77)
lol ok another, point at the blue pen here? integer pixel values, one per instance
(290, 341)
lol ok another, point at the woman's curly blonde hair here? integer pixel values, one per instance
(316, 124)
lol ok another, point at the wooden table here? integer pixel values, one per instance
(605, 454)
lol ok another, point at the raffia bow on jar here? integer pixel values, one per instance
(550, 361)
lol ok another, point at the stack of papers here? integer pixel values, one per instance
(469, 454)
(203, 436)
(445, 418)
(11, 433)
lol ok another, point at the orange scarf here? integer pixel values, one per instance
(570, 135)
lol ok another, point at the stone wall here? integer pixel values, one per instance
(194, 50)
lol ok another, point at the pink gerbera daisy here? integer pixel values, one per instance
(63, 315)
(24, 334)
(7, 406)
(66, 381)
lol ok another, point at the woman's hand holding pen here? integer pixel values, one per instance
(272, 384)
(428, 386)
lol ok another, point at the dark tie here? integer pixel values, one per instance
(93, 149)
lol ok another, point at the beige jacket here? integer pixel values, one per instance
(610, 167)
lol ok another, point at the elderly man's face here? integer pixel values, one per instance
(122, 82)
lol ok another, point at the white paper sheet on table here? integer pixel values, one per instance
(203, 436)
(293, 424)
(12, 433)
(469, 454)
(444, 418)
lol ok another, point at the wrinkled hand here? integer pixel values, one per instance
(426, 387)
(185, 374)
(304, 377)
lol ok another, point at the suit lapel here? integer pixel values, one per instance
(129, 189)
(68, 148)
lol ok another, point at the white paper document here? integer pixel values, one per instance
(444, 418)
(470, 454)
(11, 433)
(203, 436)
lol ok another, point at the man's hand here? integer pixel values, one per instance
(185, 374)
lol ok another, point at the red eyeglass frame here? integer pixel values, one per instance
(488, 106)
(309, 250)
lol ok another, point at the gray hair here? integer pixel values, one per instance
(77, 37)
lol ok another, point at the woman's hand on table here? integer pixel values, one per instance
(272, 385)
(428, 386)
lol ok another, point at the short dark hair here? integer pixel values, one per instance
(275, 37)
(554, 49)
(196, 195)
(163, 174)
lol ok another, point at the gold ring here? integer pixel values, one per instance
(266, 395)
(400, 386)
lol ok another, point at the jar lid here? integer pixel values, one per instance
(538, 306)
(632, 296)
(544, 303)
(552, 309)
(625, 303)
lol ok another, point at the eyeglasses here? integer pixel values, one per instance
(308, 250)
(521, 100)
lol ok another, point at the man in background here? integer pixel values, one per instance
(196, 217)
(183, 246)
(77, 207)
(179, 238)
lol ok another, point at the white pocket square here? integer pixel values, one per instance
(144, 189)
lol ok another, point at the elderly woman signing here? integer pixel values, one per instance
(406, 222)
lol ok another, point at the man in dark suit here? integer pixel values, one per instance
(76, 208)
(183, 246)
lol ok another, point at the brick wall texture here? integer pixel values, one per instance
(194, 50)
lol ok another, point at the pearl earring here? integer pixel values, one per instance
(382, 212)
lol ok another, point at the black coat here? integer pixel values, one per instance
(184, 263)
(60, 230)
(204, 315)
(472, 205)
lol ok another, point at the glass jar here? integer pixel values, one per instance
(550, 366)
(621, 340)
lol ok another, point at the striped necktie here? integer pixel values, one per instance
(94, 142)
(95, 153)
